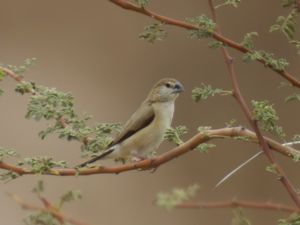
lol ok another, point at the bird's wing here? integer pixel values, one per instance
(139, 120)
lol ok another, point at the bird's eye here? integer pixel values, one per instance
(168, 85)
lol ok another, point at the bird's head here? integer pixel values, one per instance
(165, 90)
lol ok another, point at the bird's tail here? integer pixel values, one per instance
(105, 153)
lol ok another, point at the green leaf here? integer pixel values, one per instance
(2, 74)
(205, 147)
(293, 219)
(206, 27)
(296, 157)
(242, 138)
(267, 116)
(142, 3)
(205, 91)
(293, 97)
(239, 218)
(20, 70)
(247, 41)
(216, 44)
(203, 129)
(231, 123)
(102, 138)
(288, 3)
(268, 58)
(7, 153)
(175, 134)
(24, 87)
(296, 137)
(41, 218)
(42, 165)
(233, 3)
(177, 196)
(70, 196)
(39, 188)
(297, 45)
(8, 176)
(50, 104)
(271, 169)
(286, 24)
(153, 32)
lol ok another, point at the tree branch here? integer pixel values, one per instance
(217, 36)
(48, 208)
(237, 204)
(233, 132)
(252, 121)
(19, 79)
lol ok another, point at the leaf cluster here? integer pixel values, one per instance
(286, 24)
(41, 218)
(233, 3)
(175, 134)
(247, 42)
(176, 196)
(293, 97)
(50, 103)
(205, 147)
(153, 32)
(293, 219)
(142, 3)
(42, 165)
(239, 218)
(8, 176)
(268, 58)
(267, 116)
(272, 169)
(205, 91)
(288, 3)
(213, 44)
(102, 138)
(25, 87)
(206, 27)
(21, 69)
(2, 75)
(6, 153)
(45, 217)
(69, 196)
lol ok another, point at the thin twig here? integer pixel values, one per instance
(48, 208)
(20, 80)
(252, 121)
(228, 42)
(236, 204)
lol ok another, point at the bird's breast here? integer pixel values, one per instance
(150, 137)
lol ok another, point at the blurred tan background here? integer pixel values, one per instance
(91, 49)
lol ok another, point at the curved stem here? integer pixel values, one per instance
(125, 4)
(238, 204)
(252, 121)
(164, 158)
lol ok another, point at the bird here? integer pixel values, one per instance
(145, 129)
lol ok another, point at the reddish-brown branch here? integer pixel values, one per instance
(252, 121)
(164, 158)
(125, 4)
(20, 80)
(48, 208)
(237, 204)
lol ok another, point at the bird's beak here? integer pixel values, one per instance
(178, 87)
